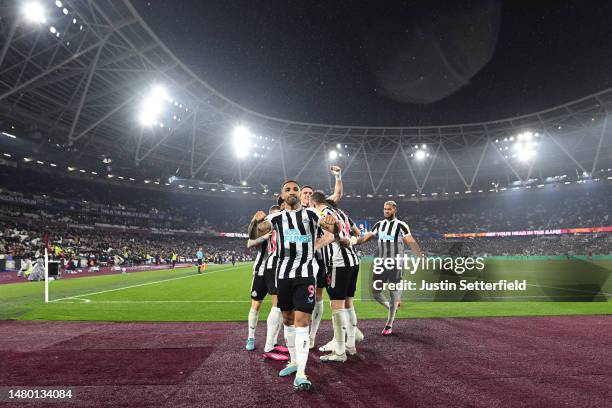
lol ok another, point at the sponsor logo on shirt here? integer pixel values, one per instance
(294, 236)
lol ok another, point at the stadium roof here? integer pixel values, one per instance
(79, 80)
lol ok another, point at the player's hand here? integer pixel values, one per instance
(329, 220)
(336, 170)
(345, 243)
(259, 216)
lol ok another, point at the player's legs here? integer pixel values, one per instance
(377, 292)
(285, 304)
(275, 318)
(337, 288)
(317, 313)
(396, 295)
(351, 327)
(258, 293)
(303, 300)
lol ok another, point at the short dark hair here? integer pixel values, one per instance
(318, 197)
(307, 186)
(289, 181)
(274, 207)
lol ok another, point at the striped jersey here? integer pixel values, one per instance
(324, 254)
(390, 235)
(343, 256)
(296, 235)
(260, 261)
(272, 259)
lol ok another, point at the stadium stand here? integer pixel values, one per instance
(94, 221)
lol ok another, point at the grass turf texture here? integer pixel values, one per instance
(221, 294)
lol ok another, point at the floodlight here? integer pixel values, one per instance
(333, 154)
(242, 141)
(34, 12)
(420, 155)
(153, 105)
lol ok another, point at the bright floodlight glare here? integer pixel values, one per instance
(333, 154)
(420, 155)
(242, 141)
(153, 105)
(34, 12)
(524, 151)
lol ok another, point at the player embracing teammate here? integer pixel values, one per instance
(296, 228)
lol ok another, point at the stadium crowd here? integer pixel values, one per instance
(96, 220)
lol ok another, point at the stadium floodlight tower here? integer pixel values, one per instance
(333, 154)
(242, 141)
(420, 152)
(34, 12)
(153, 105)
(525, 146)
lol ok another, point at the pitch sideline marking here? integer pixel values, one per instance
(135, 286)
(416, 300)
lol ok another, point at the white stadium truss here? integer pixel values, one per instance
(81, 87)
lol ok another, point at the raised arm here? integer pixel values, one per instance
(259, 225)
(337, 172)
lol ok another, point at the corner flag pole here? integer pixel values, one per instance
(46, 276)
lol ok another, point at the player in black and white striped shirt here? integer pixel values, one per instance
(341, 278)
(264, 282)
(393, 235)
(321, 255)
(297, 231)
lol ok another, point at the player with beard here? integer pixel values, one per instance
(296, 228)
(393, 235)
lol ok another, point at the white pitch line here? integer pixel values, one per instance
(415, 300)
(140, 284)
(162, 301)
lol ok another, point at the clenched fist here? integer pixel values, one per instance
(328, 220)
(259, 216)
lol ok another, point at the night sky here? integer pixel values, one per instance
(391, 63)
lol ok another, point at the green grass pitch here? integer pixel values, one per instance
(222, 293)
